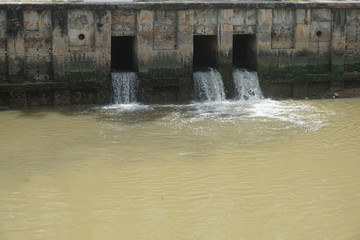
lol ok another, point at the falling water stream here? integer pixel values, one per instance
(213, 169)
(246, 85)
(208, 85)
(124, 85)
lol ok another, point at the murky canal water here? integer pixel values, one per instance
(230, 170)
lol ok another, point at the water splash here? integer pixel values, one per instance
(248, 107)
(256, 116)
(208, 85)
(125, 85)
(246, 85)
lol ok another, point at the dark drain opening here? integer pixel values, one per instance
(122, 53)
(244, 51)
(205, 49)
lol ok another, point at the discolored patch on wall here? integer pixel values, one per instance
(352, 41)
(319, 53)
(38, 45)
(283, 29)
(123, 23)
(165, 30)
(81, 36)
(81, 29)
(3, 46)
(244, 21)
(206, 22)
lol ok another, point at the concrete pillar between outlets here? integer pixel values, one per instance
(225, 49)
(224, 56)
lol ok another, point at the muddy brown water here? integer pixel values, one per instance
(231, 170)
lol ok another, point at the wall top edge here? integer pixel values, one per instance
(182, 5)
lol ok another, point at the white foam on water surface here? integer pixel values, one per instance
(131, 107)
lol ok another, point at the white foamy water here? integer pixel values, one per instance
(272, 114)
(125, 85)
(248, 104)
(208, 85)
(131, 107)
(246, 85)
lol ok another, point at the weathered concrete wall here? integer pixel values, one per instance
(61, 53)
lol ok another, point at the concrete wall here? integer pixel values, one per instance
(53, 54)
